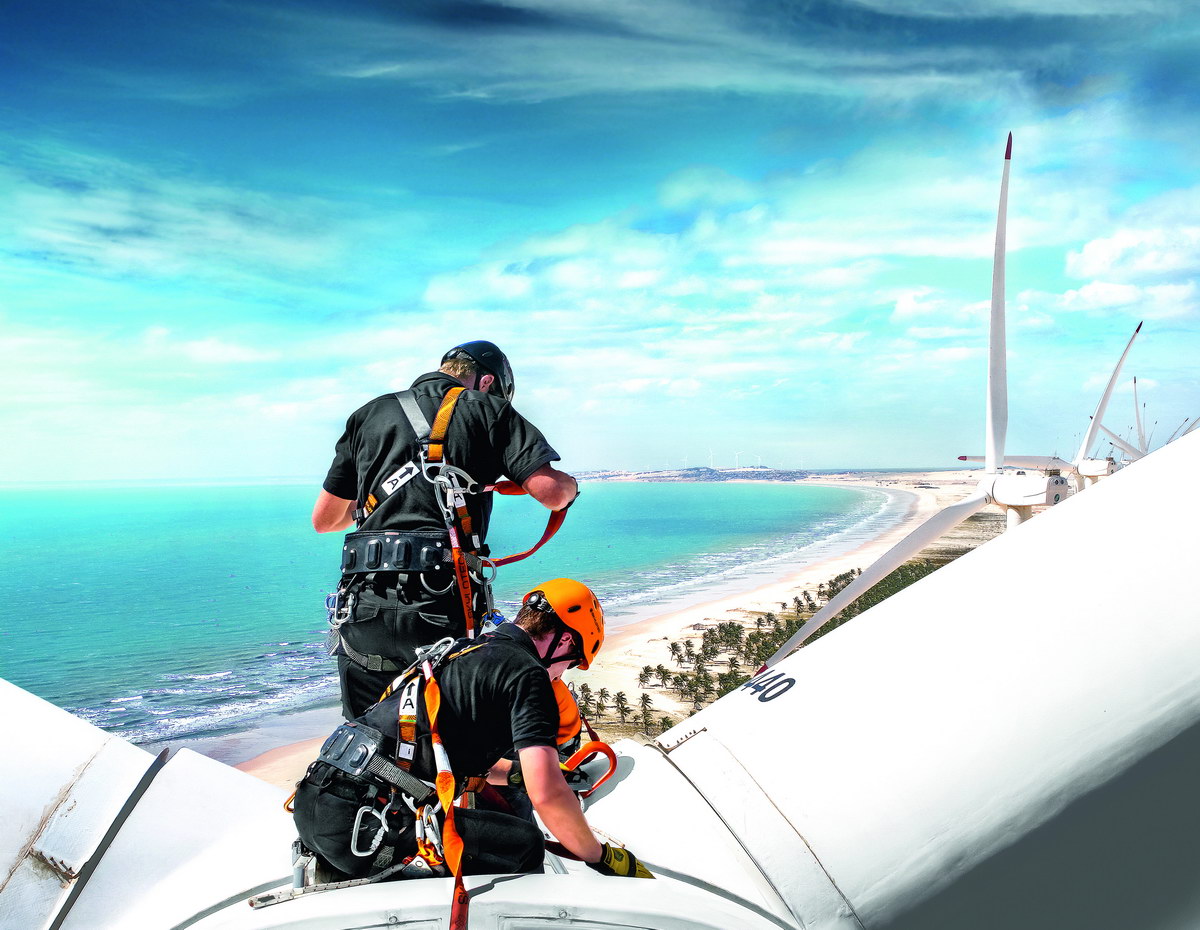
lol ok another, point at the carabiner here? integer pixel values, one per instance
(363, 811)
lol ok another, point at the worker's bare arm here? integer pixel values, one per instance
(551, 488)
(332, 513)
(498, 773)
(555, 803)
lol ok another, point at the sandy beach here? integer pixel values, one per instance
(629, 648)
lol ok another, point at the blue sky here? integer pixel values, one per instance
(739, 226)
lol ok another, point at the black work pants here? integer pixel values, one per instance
(391, 615)
(498, 844)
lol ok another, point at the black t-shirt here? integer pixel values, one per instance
(494, 699)
(487, 438)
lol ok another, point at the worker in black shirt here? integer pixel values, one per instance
(406, 591)
(493, 695)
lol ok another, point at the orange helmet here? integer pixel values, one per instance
(577, 609)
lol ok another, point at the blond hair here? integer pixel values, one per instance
(460, 367)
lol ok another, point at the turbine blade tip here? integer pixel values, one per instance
(1008, 148)
(1139, 328)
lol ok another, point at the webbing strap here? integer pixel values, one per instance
(416, 416)
(416, 789)
(369, 662)
(437, 435)
(452, 843)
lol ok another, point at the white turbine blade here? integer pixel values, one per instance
(1178, 429)
(997, 399)
(910, 545)
(1034, 462)
(1121, 444)
(1090, 436)
(1137, 418)
(1195, 423)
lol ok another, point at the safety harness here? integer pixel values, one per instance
(357, 750)
(395, 551)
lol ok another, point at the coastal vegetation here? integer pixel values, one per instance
(697, 669)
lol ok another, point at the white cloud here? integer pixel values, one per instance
(1137, 254)
(702, 185)
(1159, 301)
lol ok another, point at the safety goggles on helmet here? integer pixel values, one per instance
(490, 360)
(578, 613)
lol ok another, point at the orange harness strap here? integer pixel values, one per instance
(452, 844)
(435, 454)
(437, 434)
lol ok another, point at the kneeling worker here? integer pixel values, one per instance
(485, 698)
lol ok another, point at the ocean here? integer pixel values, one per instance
(176, 613)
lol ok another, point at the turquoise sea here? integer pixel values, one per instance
(173, 613)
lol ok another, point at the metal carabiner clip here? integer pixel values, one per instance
(358, 823)
(433, 832)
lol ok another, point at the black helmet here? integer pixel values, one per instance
(488, 357)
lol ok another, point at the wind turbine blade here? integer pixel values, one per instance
(1035, 462)
(1195, 423)
(997, 399)
(1121, 444)
(910, 545)
(1175, 435)
(1137, 418)
(1090, 436)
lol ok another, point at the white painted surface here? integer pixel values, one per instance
(965, 712)
(580, 900)
(63, 783)
(651, 808)
(204, 832)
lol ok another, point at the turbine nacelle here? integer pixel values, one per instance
(1025, 490)
(1097, 468)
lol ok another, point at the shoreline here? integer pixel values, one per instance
(640, 642)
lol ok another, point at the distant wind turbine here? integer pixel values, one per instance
(737, 459)
(1015, 494)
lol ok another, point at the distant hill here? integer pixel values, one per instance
(699, 473)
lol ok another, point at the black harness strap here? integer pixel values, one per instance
(419, 791)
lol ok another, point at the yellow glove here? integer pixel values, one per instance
(617, 861)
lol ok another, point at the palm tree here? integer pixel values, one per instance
(621, 705)
(585, 699)
(602, 697)
(663, 673)
(665, 723)
(645, 706)
(645, 675)
(676, 652)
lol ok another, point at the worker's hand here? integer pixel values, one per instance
(617, 861)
